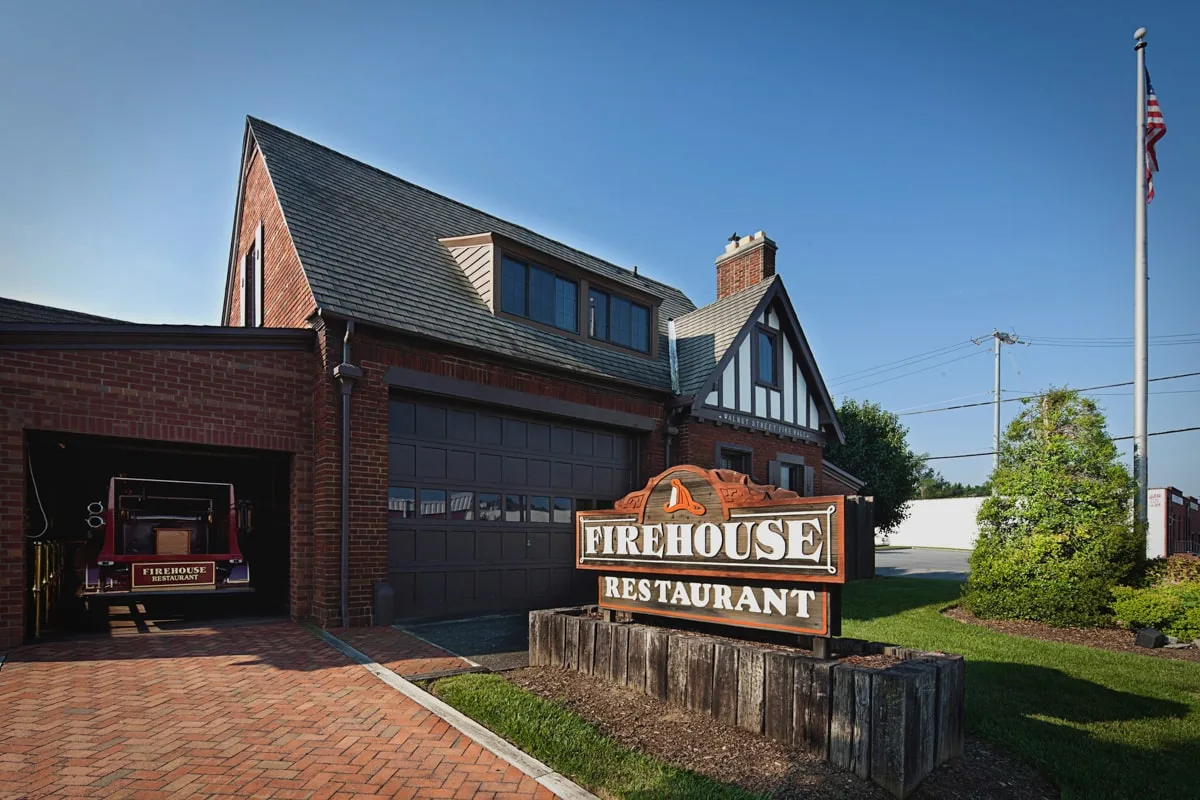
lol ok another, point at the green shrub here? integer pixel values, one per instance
(1053, 538)
(1173, 608)
(1179, 568)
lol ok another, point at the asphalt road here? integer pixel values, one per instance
(919, 562)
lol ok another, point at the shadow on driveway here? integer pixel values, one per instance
(497, 641)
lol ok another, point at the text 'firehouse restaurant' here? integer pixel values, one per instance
(398, 412)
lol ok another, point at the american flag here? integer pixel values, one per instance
(1155, 130)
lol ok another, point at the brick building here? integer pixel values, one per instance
(495, 380)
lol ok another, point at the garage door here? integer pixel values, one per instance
(481, 503)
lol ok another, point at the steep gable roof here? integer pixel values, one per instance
(707, 338)
(368, 244)
(19, 311)
(703, 336)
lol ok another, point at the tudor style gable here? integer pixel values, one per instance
(745, 362)
(749, 395)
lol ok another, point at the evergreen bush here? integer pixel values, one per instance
(1056, 536)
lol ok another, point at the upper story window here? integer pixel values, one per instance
(252, 282)
(530, 291)
(766, 357)
(618, 320)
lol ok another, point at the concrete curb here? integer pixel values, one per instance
(560, 785)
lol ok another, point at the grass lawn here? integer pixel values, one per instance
(1098, 723)
(571, 746)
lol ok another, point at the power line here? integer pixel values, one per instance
(1034, 396)
(1126, 394)
(960, 455)
(1161, 433)
(887, 366)
(920, 406)
(1110, 338)
(1115, 439)
(906, 374)
(1094, 345)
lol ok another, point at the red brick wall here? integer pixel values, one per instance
(755, 263)
(368, 483)
(287, 299)
(698, 445)
(254, 399)
(831, 485)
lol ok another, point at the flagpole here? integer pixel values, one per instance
(1140, 329)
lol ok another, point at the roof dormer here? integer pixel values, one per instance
(519, 283)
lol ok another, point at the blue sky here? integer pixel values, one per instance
(929, 170)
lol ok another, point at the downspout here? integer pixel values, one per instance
(347, 374)
(668, 428)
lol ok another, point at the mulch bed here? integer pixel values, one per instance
(1115, 639)
(732, 755)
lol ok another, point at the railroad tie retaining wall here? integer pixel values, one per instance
(892, 725)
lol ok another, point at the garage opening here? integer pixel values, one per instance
(481, 505)
(67, 475)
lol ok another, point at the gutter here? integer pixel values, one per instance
(347, 374)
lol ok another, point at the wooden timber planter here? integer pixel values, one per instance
(893, 725)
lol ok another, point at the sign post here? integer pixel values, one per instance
(713, 546)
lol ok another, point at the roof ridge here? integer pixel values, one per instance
(255, 120)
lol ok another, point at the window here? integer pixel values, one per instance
(539, 509)
(791, 477)
(527, 290)
(489, 507)
(562, 510)
(462, 505)
(618, 320)
(514, 508)
(251, 284)
(400, 503)
(766, 358)
(734, 459)
(433, 504)
(584, 505)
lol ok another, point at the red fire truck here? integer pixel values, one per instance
(164, 537)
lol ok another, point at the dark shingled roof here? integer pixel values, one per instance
(703, 336)
(18, 311)
(368, 242)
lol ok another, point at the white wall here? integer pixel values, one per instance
(948, 522)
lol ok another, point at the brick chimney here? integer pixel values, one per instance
(745, 262)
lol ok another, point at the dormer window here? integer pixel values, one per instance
(618, 320)
(535, 293)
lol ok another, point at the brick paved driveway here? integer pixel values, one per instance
(263, 710)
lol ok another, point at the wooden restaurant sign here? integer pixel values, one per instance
(711, 545)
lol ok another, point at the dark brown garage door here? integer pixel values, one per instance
(481, 503)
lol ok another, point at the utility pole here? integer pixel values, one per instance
(998, 338)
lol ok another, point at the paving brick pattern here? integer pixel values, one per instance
(400, 652)
(263, 710)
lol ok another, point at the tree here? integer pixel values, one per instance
(876, 450)
(1057, 535)
(934, 486)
